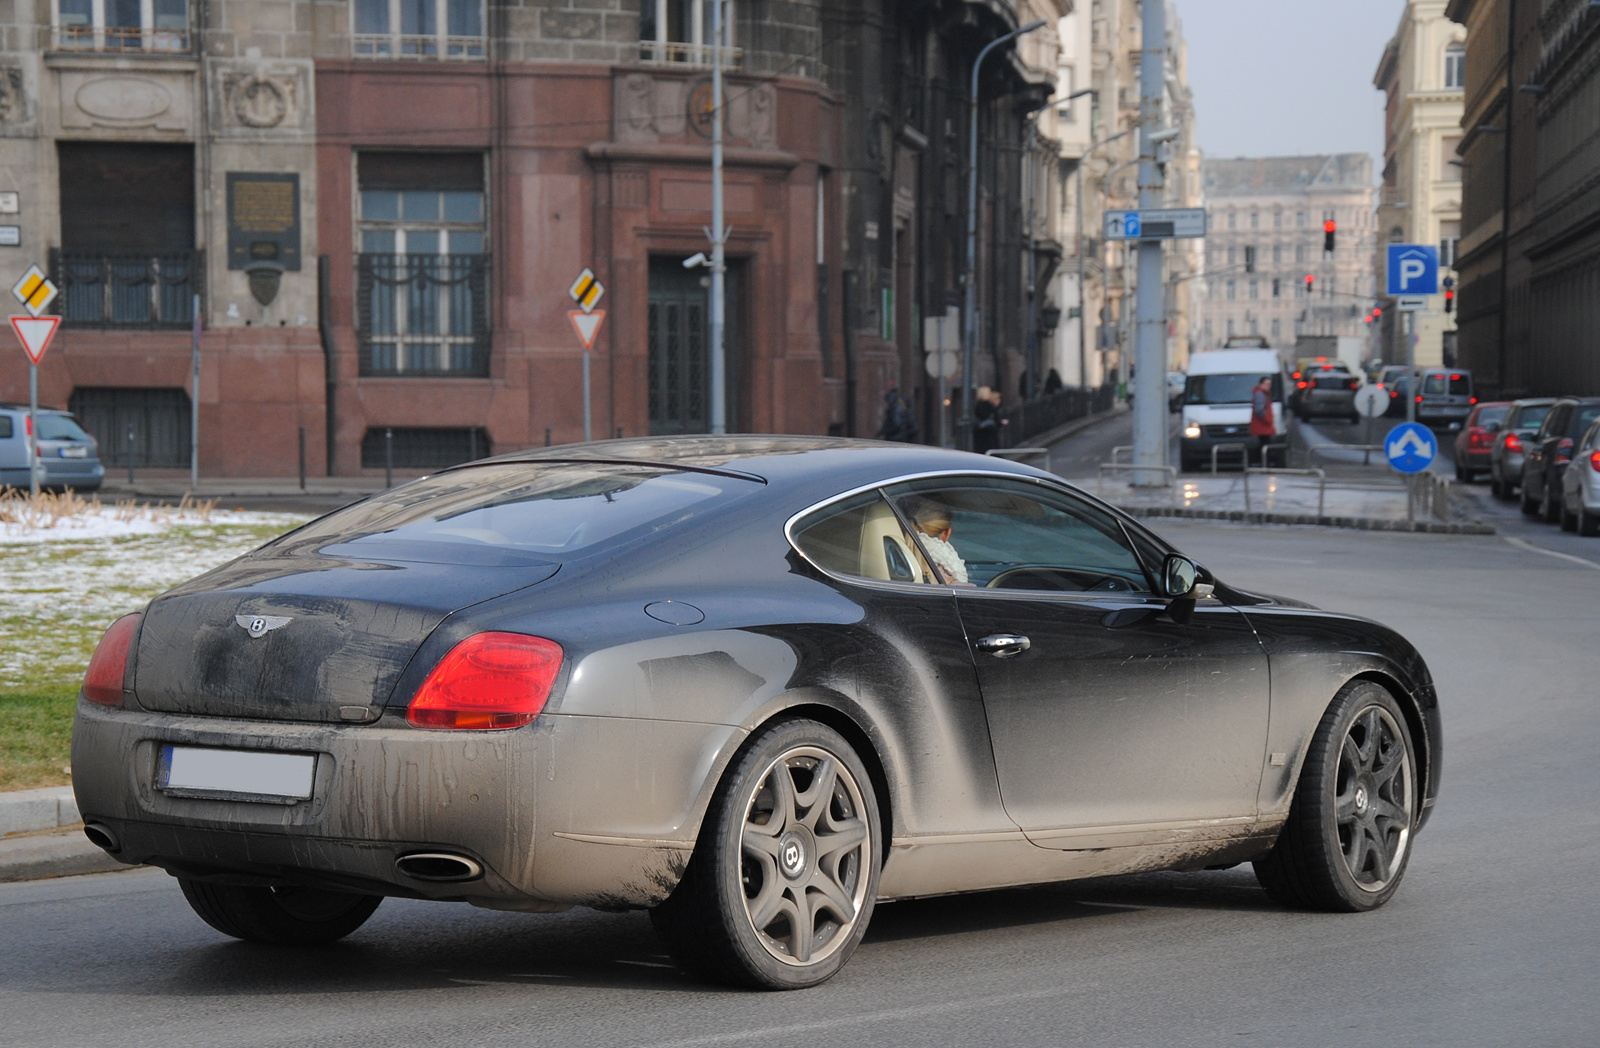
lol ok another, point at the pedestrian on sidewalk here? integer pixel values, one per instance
(985, 421)
(899, 423)
(1262, 425)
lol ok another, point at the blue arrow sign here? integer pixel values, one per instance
(1410, 447)
(1413, 269)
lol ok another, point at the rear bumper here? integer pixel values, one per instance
(53, 474)
(1328, 405)
(544, 839)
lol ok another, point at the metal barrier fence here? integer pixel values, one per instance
(1040, 415)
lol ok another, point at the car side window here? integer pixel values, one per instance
(861, 537)
(5, 427)
(1006, 535)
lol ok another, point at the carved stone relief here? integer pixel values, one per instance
(650, 109)
(13, 101)
(256, 98)
(158, 101)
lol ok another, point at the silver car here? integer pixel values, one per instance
(1505, 458)
(1580, 486)
(69, 458)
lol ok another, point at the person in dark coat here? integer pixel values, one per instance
(1052, 382)
(985, 421)
(899, 424)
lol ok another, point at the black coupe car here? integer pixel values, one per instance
(753, 684)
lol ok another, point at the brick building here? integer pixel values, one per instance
(379, 207)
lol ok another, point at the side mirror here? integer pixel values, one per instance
(1179, 576)
(1493, 427)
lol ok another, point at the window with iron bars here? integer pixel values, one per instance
(417, 29)
(422, 283)
(122, 25)
(127, 291)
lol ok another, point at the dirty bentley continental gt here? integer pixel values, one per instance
(753, 684)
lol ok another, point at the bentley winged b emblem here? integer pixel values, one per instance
(260, 625)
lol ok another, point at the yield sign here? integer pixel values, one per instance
(587, 325)
(35, 333)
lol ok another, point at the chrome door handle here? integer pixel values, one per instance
(1004, 645)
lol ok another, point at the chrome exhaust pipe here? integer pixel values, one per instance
(438, 867)
(102, 837)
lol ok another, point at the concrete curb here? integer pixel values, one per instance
(63, 853)
(1239, 516)
(25, 811)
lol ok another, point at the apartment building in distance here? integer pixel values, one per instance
(376, 210)
(1267, 217)
(1421, 75)
(1098, 145)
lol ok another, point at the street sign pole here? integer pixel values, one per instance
(194, 405)
(33, 429)
(1150, 403)
(719, 247)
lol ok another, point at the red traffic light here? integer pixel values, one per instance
(1329, 226)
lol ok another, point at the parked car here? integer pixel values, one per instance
(1398, 386)
(1580, 506)
(1475, 443)
(729, 680)
(1328, 392)
(69, 458)
(1548, 453)
(1175, 384)
(1505, 457)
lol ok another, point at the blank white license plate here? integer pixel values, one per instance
(252, 773)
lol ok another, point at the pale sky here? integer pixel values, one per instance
(1287, 77)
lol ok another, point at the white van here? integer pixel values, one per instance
(1216, 403)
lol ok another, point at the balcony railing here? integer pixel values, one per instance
(127, 291)
(423, 315)
(417, 48)
(654, 52)
(121, 38)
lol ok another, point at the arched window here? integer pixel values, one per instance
(1455, 66)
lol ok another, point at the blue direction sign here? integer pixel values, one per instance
(1413, 269)
(1410, 447)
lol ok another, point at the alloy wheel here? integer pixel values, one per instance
(1374, 797)
(805, 852)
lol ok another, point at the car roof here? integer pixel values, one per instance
(1234, 361)
(797, 461)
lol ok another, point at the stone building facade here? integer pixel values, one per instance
(1272, 210)
(379, 209)
(1421, 74)
(1529, 257)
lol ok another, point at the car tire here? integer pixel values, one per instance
(1497, 489)
(1347, 840)
(1569, 519)
(279, 916)
(1588, 526)
(748, 868)
(1530, 508)
(1462, 476)
(1549, 506)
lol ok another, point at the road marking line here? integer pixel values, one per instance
(1530, 547)
(888, 1014)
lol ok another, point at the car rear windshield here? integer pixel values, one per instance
(539, 509)
(1581, 418)
(1227, 389)
(60, 427)
(1531, 417)
(1492, 413)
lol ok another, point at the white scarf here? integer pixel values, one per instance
(946, 559)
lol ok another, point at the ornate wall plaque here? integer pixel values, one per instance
(263, 220)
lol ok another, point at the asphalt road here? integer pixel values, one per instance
(1494, 939)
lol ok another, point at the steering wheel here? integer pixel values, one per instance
(1053, 577)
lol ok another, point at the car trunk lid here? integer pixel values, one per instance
(311, 636)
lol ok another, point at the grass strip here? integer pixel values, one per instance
(36, 737)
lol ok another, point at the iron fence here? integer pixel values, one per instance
(423, 315)
(127, 291)
(1041, 414)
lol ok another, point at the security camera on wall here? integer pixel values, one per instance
(697, 259)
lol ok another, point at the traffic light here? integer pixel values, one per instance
(1311, 282)
(1249, 259)
(1449, 301)
(1328, 229)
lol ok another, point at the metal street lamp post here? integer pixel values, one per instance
(970, 320)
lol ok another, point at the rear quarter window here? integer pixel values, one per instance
(7, 429)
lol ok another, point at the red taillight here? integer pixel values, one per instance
(1419, 398)
(1477, 438)
(103, 682)
(1564, 450)
(1474, 400)
(1303, 385)
(1594, 461)
(1513, 443)
(1355, 383)
(488, 681)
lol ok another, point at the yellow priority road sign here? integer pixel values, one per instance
(586, 291)
(34, 290)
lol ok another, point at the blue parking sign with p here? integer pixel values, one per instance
(1413, 269)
